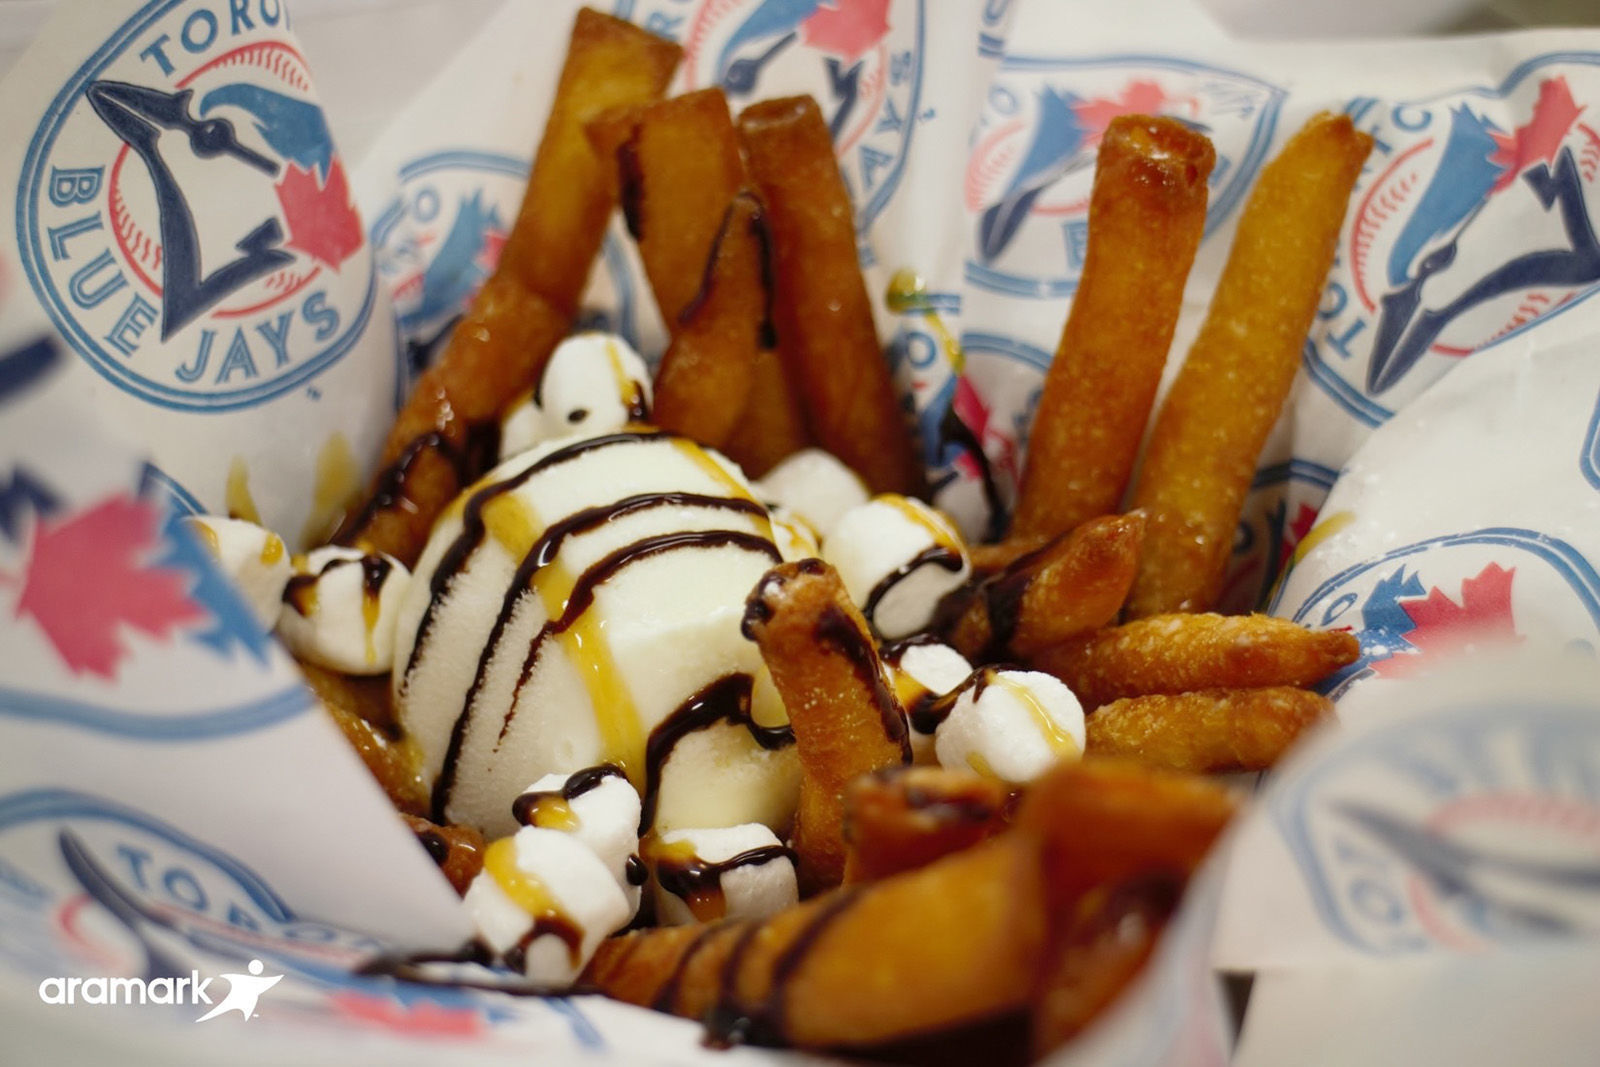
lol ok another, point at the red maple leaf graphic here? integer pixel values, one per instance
(1483, 616)
(423, 1017)
(86, 576)
(1539, 139)
(846, 28)
(322, 222)
(1140, 97)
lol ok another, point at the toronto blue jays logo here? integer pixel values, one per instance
(1475, 221)
(1455, 829)
(187, 221)
(861, 60)
(1032, 165)
(1466, 593)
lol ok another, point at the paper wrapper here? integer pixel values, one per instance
(172, 806)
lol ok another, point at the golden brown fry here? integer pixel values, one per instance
(1203, 449)
(571, 190)
(1179, 653)
(834, 971)
(458, 850)
(772, 427)
(823, 314)
(988, 559)
(499, 348)
(905, 818)
(846, 720)
(1211, 731)
(680, 169)
(1096, 950)
(703, 387)
(1146, 214)
(360, 708)
(1073, 585)
(1106, 821)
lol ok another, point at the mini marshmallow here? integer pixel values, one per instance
(536, 889)
(1012, 725)
(253, 558)
(922, 673)
(594, 383)
(339, 609)
(598, 807)
(792, 534)
(815, 486)
(761, 884)
(897, 558)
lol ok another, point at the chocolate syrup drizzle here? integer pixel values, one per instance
(933, 555)
(928, 715)
(468, 459)
(839, 631)
(725, 700)
(692, 877)
(576, 785)
(630, 185)
(767, 332)
(299, 591)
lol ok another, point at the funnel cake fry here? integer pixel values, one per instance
(903, 818)
(772, 427)
(1074, 584)
(1203, 450)
(1147, 211)
(845, 717)
(1208, 732)
(821, 308)
(437, 445)
(1180, 653)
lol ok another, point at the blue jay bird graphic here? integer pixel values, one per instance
(1055, 151)
(779, 19)
(1384, 625)
(295, 129)
(1469, 174)
(457, 268)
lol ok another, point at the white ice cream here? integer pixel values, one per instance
(339, 609)
(598, 808)
(736, 872)
(594, 383)
(816, 486)
(794, 536)
(1011, 724)
(922, 673)
(253, 558)
(544, 902)
(589, 591)
(897, 558)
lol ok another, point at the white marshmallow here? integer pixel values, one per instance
(253, 558)
(793, 535)
(897, 558)
(339, 610)
(550, 878)
(594, 383)
(604, 816)
(922, 673)
(1012, 725)
(815, 486)
(750, 890)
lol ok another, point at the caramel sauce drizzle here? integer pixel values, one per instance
(551, 809)
(300, 592)
(531, 895)
(698, 882)
(927, 716)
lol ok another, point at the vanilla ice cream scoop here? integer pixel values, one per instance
(581, 605)
(339, 609)
(598, 807)
(543, 903)
(923, 671)
(1008, 724)
(897, 558)
(793, 535)
(816, 486)
(734, 872)
(594, 383)
(252, 557)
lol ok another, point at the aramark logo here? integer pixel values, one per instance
(186, 220)
(862, 62)
(1475, 221)
(244, 990)
(1032, 166)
